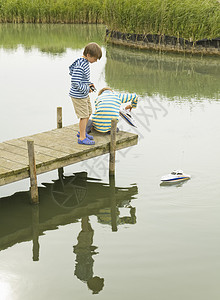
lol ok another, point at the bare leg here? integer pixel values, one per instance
(82, 128)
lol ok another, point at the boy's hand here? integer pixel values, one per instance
(129, 107)
(92, 88)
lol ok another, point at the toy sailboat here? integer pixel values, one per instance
(175, 176)
(126, 115)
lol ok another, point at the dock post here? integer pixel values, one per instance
(32, 170)
(112, 173)
(60, 173)
(59, 125)
(113, 203)
(59, 117)
(35, 232)
(112, 147)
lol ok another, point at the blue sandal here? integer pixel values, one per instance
(87, 135)
(86, 141)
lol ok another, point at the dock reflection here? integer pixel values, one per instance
(84, 251)
(67, 200)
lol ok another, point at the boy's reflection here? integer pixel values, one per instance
(84, 251)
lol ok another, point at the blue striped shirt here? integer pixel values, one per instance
(107, 106)
(80, 78)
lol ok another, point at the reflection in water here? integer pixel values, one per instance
(65, 201)
(171, 76)
(175, 184)
(84, 251)
(69, 192)
(35, 232)
(50, 38)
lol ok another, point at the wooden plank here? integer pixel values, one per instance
(65, 161)
(13, 149)
(38, 149)
(14, 176)
(53, 150)
(62, 148)
(17, 143)
(86, 154)
(15, 157)
(52, 141)
(72, 128)
(9, 164)
(4, 170)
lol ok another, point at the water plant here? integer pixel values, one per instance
(188, 19)
(51, 11)
(182, 18)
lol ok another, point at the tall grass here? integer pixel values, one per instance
(189, 19)
(51, 11)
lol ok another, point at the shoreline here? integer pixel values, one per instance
(164, 43)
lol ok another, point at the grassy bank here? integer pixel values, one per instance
(51, 11)
(188, 19)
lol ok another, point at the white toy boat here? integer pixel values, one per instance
(126, 115)
(175, 176)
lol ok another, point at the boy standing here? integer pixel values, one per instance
(81, 87)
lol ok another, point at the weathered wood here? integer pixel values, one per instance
(4, 170)
(15, 150)
(32, 170)
(112, 147)
(59, 117)
(11, 165)
(113, 203)
(35, 232)
(53, 150)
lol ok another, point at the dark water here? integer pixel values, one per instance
(133, 237)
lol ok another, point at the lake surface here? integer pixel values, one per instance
(127, 239)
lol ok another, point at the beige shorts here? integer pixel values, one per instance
(82, 106)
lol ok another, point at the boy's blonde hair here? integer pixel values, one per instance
(104, 89)
(94, 50)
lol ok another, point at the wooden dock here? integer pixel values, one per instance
(53, 150)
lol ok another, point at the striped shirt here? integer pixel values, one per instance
(80, 78)
(107, 106)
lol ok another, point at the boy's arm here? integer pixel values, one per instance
(125, 97)
(76, 80)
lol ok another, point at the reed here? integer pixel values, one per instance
(51, 11)
(188, 19)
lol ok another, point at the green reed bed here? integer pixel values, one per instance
(188, 19)
(51, 11)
